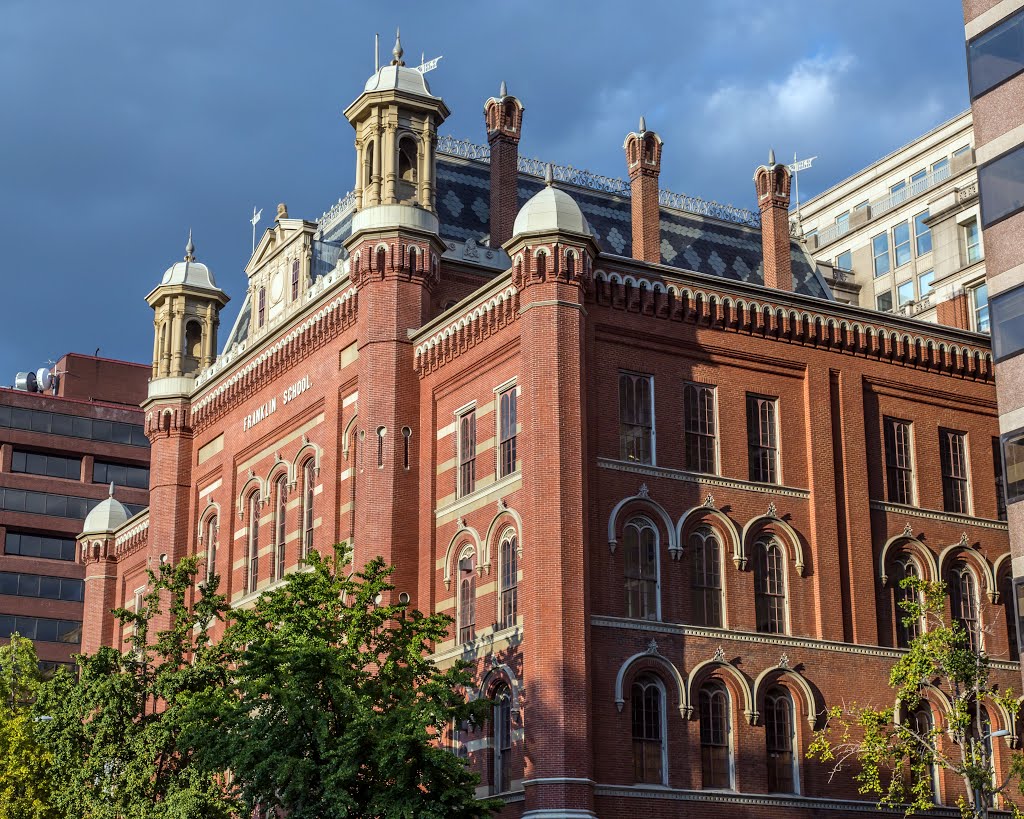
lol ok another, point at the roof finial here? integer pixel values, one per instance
(111, 490)
(771, 156)
(190, 249)
(397, 51)
(504, 90)
(643, 125)
(549, 174)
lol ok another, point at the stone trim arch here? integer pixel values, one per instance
(997, 569)
(279, 466)
(499, 672)
(915, 547)
(644, 499)
(975, 557)
(768, 676)
(347, 435)
(211, 509)
(307, 450)
(465, 535)
(703, 671)
(787, 536)
(652, 653)
(701, 514)
(246, 490)
(496, 528)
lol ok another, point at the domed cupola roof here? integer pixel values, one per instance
(106, 517)
(189, 272)
(398, 76)
(551, 210)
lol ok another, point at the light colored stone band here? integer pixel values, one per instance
(1000, 145)
(989, 18)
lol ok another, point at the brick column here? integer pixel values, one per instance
(504, 117)
(954, 311)
(643, 159)
(772, 182)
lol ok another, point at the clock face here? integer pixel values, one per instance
(277, 285)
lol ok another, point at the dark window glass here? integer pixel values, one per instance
(780, 741)
(714, 736)
(762, 439)
(899, 460)
(701, 429)
(52, 466)
(1001, 184)
(1007, 602)
(28, 545)
(636, 418)
(308, 495)
(770, 583)
(1006, 315)
(707, 578)
(648, 738)
(34, 585)
(963, 592)
(641, 556)
(295, 279)
(280, 524)
(120, 474)
(261, 309)
(467, 453)
(211, 547)
(42, 629)
(1013, 465)
(507, 433)
(905, 630)
(502, 726)
(467, 599)
(509, 562)
(997, 462)
(996, 55)
(956, 490)
(253, 573)
(72, 426)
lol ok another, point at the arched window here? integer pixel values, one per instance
(707, 578)
(770, 582)
(193, 346)
(467, 598)
(641, 554)
(407, 170)
(570, 264)
(780, 742)
(502, 726)
(369, 164)
(308, 488)
(648, 701)
(542, 263)
(211, 547)
(980, 731)
(280, 523)
(715, 753)
(253, 545)
(905, 567)
(963, 589)
(382, 260)
(261, 307)
(1006, 598)
(921, 723)
(509, 561)
(413, 259)
(295, 279)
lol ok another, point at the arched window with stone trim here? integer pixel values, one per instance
(649, 749)
(508, 562)
(252, 551)
(921, 722)
(640, 551)
(308, 498)
(905, 567)
(280, 523)
(211, 531)
(501, 727)
(193, 346)
(407, 169)
(780, 741)
(770, 586)
(467, 597)
(570, 264)
(413, 260)
(541, 263)
(980, 731)
(715, 739)
(964, 602)
(707, 577)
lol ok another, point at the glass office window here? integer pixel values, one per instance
(996, 55)
(883, 301)
(922, 234)
(924, 283)
(905, 292)
(880, 252)
(979, 307)
(972, 241)
(901, 243)
(844, 261)
(940, 170)
(1001, 183)
(1013, 465)
(1006, 312)
(120, 474)
(30, 545)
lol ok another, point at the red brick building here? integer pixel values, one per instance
(666, 496)
(60, 449)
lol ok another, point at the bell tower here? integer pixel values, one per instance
(395, 258)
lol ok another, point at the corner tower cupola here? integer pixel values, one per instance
(186, 306)
(396, 120)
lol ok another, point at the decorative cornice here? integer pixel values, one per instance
(476, 323)
(701, 478)
(932, 514)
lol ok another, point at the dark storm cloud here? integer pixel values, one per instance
(127, 123)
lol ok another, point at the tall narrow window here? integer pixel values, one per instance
(636, 418)
(880, 252)
(406, 446)
(922, 234)
(211, 547)
(295, 279)
(467, 599)
(1006, 600)
(641, 555)
(308, 488)
(997, 463)
(714, 736)
(921, 723)
(413, 259)
(770, 582)
(261, 309)
(253, 569)
(381, 432)
(507, 432)
(502, 724)
(570, 265)
(280, 524)
(972, 242)
(707, 578)
(963, 587)
(542, 264)
(901, 243)
(382, 260)
(956, 490)
(780, 741)
(467, 453)
(899, 460)
(648, 702)
(509, 580)
(701, 429)
(979, 308)
(906, 631)
(762, 439)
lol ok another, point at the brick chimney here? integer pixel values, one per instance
(643, 158)
(954, 311)
(772, 183)
(504, 117)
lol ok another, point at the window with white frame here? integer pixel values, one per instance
(467, 452)
(501, 722)
(956, 486)
(972, 241)
(979, 308)
(762, 438)
(770, 586)
(636, 418)
(964, 602)
(907, 628)
(507, 432)
(880, 253)
(467, 597)
(701, 428)
(641, 571)
(844, 261)
(922, 234)
(899, 460)
(211, 547)
(308, 496)
(707, 577)
(508, 558)
(648, 710)
(883, 301)
(280, 524)
(905, 292)
(901, 243)
(253, 546)
(924, 283)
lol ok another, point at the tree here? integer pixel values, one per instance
(115, 732)
(25, 786)
(335, 706)
(898, 753)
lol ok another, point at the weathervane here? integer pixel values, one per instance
(428, 65)
(255, 218)
(795, 168)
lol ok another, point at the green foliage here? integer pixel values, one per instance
(334, 705)
(896, 756)
(25, 786)
(115, 732)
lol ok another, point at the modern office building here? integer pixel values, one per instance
(665, 484)
(64, 439)
(903, 235)
(994, 31)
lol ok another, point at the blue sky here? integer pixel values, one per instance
(126, 123)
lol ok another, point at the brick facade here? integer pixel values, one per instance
(379, 382)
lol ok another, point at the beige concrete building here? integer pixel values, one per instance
(903, 234)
